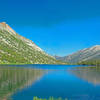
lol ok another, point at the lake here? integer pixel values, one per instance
(71, 82)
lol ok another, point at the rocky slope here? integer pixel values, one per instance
(87, 54)
(15, 49)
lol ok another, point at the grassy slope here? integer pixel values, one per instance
(17, 52)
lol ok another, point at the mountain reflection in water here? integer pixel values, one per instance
(90, 74)
(13, 79)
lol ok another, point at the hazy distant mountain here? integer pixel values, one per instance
(92, 53)
(17, 49)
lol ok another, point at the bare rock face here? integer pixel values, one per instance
(4, 26)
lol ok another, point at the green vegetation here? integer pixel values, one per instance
(90, 62)
(14, 49)
(50, 98)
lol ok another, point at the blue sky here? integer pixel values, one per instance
(60, 27)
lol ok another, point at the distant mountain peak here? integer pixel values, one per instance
(83, 55)
(95, 48)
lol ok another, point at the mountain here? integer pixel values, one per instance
(88, 54)
(15, 49)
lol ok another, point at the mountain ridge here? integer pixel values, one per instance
(92, 53)
(16, 49)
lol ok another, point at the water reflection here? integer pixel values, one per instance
(90, 74)
(12, 79)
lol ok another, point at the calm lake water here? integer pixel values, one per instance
(23, 82)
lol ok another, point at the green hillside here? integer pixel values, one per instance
(15, 49)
